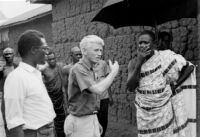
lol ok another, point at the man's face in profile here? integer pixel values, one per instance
(41, 52)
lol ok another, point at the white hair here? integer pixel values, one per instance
(90, 39)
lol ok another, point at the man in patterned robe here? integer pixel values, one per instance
(153, 75)
(53, 80)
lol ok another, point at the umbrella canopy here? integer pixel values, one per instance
(120, 13)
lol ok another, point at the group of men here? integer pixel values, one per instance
(36, 92)
(45, 98)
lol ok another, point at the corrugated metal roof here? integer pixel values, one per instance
(27, 16)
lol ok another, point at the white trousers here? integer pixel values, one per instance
(85, 126)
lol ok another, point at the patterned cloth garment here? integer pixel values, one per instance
(158, 114)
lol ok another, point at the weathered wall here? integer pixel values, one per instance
(72, 21)
(41, 24)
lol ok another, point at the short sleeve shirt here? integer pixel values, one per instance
(81, 100)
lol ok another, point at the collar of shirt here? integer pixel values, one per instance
(28, 67)
(97, 64)
(86, 64)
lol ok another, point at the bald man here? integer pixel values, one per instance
(75, 56)
(8, 55)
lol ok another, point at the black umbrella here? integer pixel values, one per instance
(120, 13)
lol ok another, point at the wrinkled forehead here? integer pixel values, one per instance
(8, 50)
(94, 45)
(144, 37)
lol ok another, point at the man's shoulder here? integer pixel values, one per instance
(60, 64)
(68, 66)
(17, 73)
(166, 52)
(77, 66)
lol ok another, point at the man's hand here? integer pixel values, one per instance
(143, 53)
(114, 67)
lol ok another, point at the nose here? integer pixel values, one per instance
(8, 55)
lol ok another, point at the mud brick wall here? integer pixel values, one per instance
(41, 24)
(72, 21)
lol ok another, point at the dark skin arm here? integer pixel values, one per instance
(184, 74)
(110, 97)
(65, 73)
(135, 68)
(133, 75)
(16, 132)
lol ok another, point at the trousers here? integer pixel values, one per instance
(45, 131)
(103, 115)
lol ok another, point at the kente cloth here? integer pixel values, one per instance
(184, 99)
(156, 112)
(53, 79)
(54, 88)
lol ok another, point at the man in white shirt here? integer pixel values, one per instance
(28, 108)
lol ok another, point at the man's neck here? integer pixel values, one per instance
(52, 66)
(30, 62)
(150, 55)
(89, 63)
(74, 61)
(9, 63)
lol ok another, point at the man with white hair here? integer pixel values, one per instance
(8, 55)
(83, 88)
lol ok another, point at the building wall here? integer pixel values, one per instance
(72, 21)
(41, 24)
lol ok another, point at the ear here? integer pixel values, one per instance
(84, 51)
(33, 50)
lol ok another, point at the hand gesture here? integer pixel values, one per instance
(114, 67)
(142, 53)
